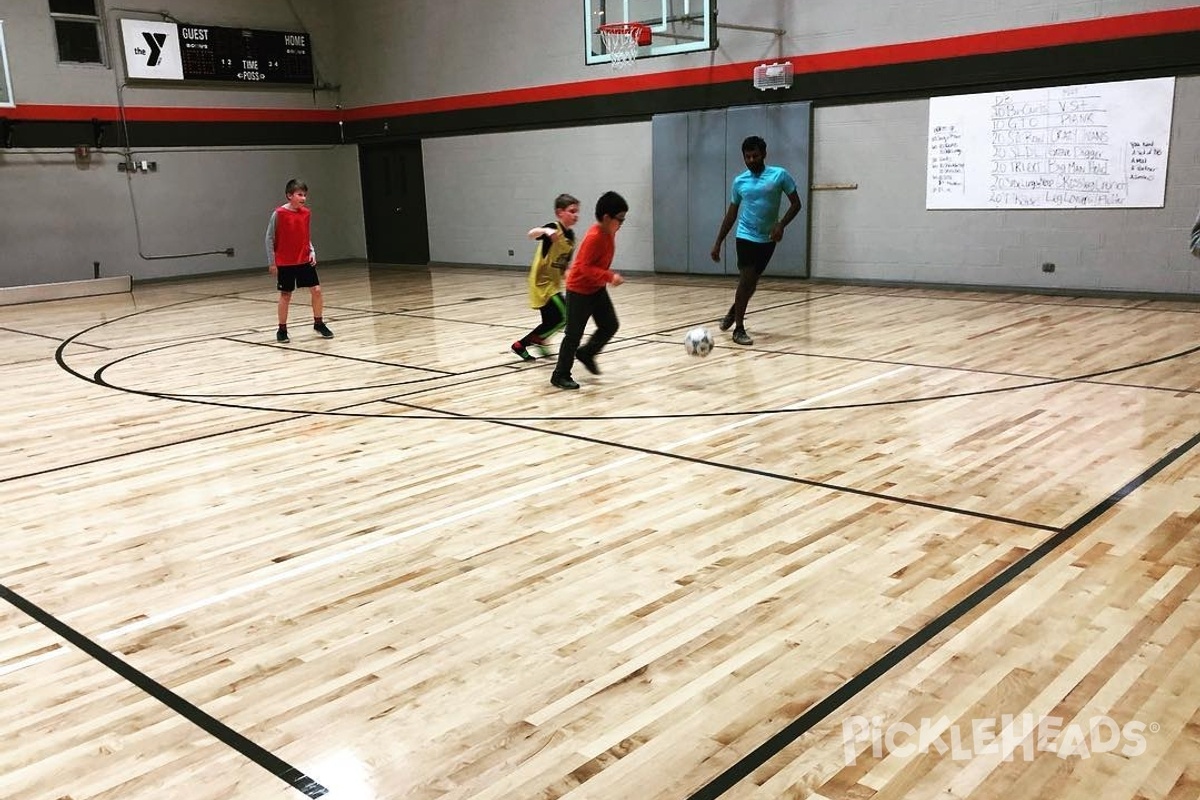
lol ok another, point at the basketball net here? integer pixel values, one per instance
(621, 44)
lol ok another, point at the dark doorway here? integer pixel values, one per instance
(393, 185)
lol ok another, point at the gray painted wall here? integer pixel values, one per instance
(56, 219)
(483, 191)
(395, 51)
(881, 230)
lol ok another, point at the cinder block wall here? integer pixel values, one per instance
(882, 232)
(485, 192)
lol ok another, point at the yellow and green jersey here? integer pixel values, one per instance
(550, 261)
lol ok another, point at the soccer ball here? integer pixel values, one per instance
(698, 342)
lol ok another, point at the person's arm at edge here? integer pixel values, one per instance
(789, 215)
(271, 266)
(726, 227)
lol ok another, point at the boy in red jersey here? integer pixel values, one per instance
(292, 258)
(588, 280)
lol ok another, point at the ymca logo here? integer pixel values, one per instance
(152, 50)
(155, 42)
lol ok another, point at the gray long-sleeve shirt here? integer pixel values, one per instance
(1196, 237)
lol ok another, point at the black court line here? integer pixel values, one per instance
(293, 415)
(259, 755)
(631, 341)
(733, 775)
(762, 473)
(47, 336)
(642, 339)
(98, 379)
(278, 346)
(1148, 388)
(847, 691)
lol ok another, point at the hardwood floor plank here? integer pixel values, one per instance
(403, 562)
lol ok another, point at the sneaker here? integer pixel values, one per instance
(323, 329)
(281, 336)
(588, 361)
(741, 337)
(520, 350)
(563, 383)
(727, 321)
(543, 351)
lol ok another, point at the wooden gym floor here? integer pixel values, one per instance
(910, 544)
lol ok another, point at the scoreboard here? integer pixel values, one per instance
(251, 56)
(179, 51)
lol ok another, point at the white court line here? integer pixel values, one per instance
(473, 511)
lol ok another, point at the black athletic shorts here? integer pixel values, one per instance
(303, 275)
(754, 255)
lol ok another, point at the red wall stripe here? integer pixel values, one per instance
(1082, 32)
(1152, 23)
(58, 113)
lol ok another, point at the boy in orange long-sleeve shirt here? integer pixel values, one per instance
(588, 280)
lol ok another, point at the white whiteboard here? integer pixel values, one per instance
(1095, 145)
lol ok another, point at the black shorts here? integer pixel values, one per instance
(303, 275)
(754, 255)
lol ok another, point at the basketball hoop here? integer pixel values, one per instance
(622, 40)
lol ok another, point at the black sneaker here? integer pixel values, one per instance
(727, 321)
(563, 383)
(323, 329)
(588, 361)
(741, 337)
(281, 336)
(520, 350)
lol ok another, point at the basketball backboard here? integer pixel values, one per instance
(676, 26)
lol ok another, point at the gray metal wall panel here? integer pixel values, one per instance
(697, 154)
(669, 168)
(741, 122)
(708, 190)
(789, 146)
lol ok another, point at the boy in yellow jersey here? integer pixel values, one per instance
(556, 243)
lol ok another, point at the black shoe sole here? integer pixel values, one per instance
(588, 362)
(564, 383)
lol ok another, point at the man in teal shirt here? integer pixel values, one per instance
(754, 201)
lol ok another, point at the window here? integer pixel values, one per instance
(6, 98)
(78, 31)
